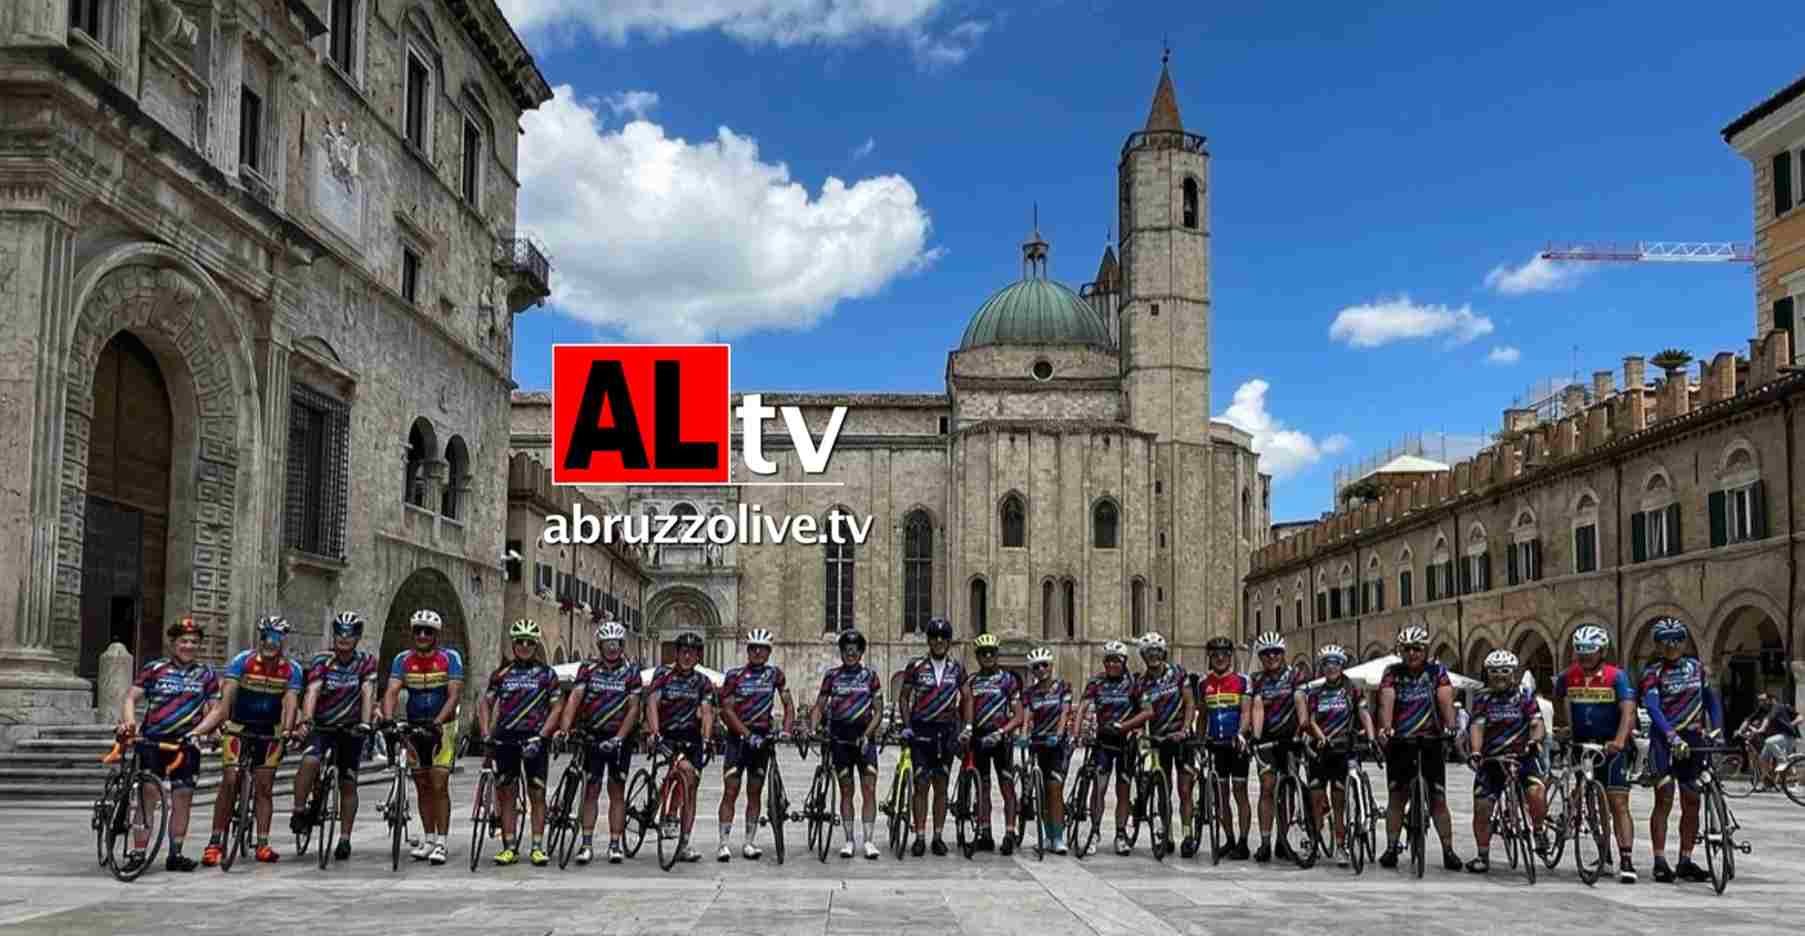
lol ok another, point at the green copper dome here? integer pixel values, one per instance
(1035, 311)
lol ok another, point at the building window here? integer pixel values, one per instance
(90, 16)
(1322, 607)
(343, 44)
(318, 481)
(944, 422)
(1476, 573)
(1190, 203)
(1299, 608)
(1405, 597)
(1585, 548)
(1104, 521)
(1278, 616)
(1525, 563)
(1046, 610)
(980, 609)
(542, 577)
(1137, 607)
(457, 461)
(473, 161)
(1246, 511)
(1015, 521)
(839, 581)
(1334, 603)
(410, 275)
(918, 571)
(514, 564)
(420, 448)
(1655, 534)
(1738, 514)
(1256, 620)
(416, 123)
(250, 129)
(1070, 589)
(1782, 183)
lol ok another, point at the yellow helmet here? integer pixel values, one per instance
(985, 642)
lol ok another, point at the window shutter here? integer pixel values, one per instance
(1485, 571)
(1510, 564)
(1783, 312)
(1322, 607)
(1638, 537)
(1674, 542)
(1757, 511)
(1378, 596)
(1433, 589)
(1535, 560)
(1404, 595)
(1720, 522)
(1465, 584)
(1782, 183)
(1334, 603)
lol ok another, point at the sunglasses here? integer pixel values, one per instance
(424, 632)
(1264, 654)
(524, 641)
(1414, 648)
(1043, 666)
(987, 653)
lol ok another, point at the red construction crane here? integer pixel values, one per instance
(1653, 252)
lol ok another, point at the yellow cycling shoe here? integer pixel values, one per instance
(539, 858)
(507, 856)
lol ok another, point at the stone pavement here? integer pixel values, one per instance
(49, 884)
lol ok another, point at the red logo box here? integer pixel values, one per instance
(640, 414)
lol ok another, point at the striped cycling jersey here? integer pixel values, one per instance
(1416, 713)
(175, 696)
(1278, 697)
(849, 695)
(1504, 719)
(1112, 700)
(262, 682)
(525, 693)
(1593, 699)
(1220, 695)
(1334, 708)
(340, 702)
(752, 693)
(1164, 695)
(1679, 687)
(427, 677)
(935, 699)
(607, 690)
(680, 699)
(1044, 701)
(993, 696)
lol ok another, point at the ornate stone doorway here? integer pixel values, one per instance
(429, 588)
(682, 609)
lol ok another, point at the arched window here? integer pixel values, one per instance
(421, 448)
(457, 478)
(1104, 521)
(1476, 570)
(980, 622)
(1071, 609)
(1738, 508)
(918, 571)
(1246, 512)
(1655, 529)
(1523, 563)
(838, 594)
(1047, 608)
(1137, 607)
(1190, 203)
(1015, 521)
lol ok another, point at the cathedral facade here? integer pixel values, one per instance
(1066, 489)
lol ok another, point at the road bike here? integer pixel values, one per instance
(395, 810)
(817, 806)
(1081, 828)
(898, 807)
(777, 804)
(1510, 816)
(241, 823)
(1029, 797)
(1152, 800)
(1791, 774)
(1299, 831)
(562, 809)
(642, 801)
(672, 796)
(1213, 805)
(1579, 809)
(122, 811)
(964, 807)
(325, 808)
(1357, 830)
(1416, 813)
(1717, 825)
(485, 810)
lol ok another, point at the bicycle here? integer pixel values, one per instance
(324, 804)
(1030, 791)
(1416, 816)
(1717, 825)
(1359, 812)
(241, 824)
(1579, 809)
(1510, 817)
(394, 809)
(561, 812)
(1152, 801)
(122, 801)
(964, 806)
(898, 808)
(1791, 774)
(642, 803)
(817, 808)
(671, 797)
(1212, 794)
(777, 804)
(1300, 833)
(485, 811)
(1078, 806)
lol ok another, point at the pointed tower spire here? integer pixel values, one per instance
(1164, 113)
(1034, 251)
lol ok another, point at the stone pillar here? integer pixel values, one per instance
(1723, 375)
(1604, 384)
(1635, 395)
(112, 682)
(1676, 394)
(1598, 431)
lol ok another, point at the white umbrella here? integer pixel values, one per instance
(1369, 674)
(568, 672)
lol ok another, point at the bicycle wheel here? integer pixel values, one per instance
(112, 818)
(1711, 832)
(777, 808)
(641, 811)
(1030, 809)
(1161, 819)
(327, 815)
(1792, 778)
(1591, 842)
(1353, 820)
(1303, 812)
(1554, 824)
(1206, 813)
(520, 808)
(563, 818)
(1502, 829)
(902, 811)
(1289, 818)
(820, 812)
(1369, 834)
(1520, 831)
(670, 809)
(480, 815)
(1743, 775)
(1419, 825)
(964, 812)
(1727, 822)
(236, 822)
(133, 804)
(1079, 825)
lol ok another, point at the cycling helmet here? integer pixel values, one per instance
(853, 640)
(1335, 653)
(1590, 639)
(1269, 641)
(1220, 645)
(186, 627)
(1115, 649)
(940, 629)
(985, 642)
(428, 618)
(1040, 655)
(1415, 635)
(349, 624)
(524, 629)
(1152, 643)
(609, 630)
(1500, 659)
(1670, 630)
(689, 641)
(272, 627)
(759, 638)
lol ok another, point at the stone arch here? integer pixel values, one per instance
(679, 609)
(214, 569)
(1374, 650)
(422, 452)
(1657, 489)
(429, 588)
(1748, 646)
(1563, 651)
(1728, 463)
(1106, 523)
(1012, 520)
(1578, 503)
(1477, 649)
(454, 502)
(1639, 643)
(1535, 652)
(1445, 653)
(1730, 617)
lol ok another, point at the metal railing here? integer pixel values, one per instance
(521, 254)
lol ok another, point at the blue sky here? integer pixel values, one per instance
(836, 186)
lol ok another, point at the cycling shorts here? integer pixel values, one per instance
(1488, 783)
(998, 755)
(254, 746)
(347, 749)
(689, 746)
(157, 761)
(1112, 755)
(1231, 762)
(510, 757)
(1277, 760)
(599, 763)
(1614, 770)
(1329, 767)
(436, 749)
(932, 748)
(1052, 759)
(741, 757)
(1666, 769)
(1403, 757)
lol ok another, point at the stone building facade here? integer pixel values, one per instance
(1067, 488)
(257, 278)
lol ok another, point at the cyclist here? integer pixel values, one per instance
(749, 695)
(934, 693)
(1416, 702)
(1048, 702)
(680, 713)
(516, 719)
(604, 701)
(1111, 697)
(1506, 720)
(1684, 710)
(992, 709)
(1776, 730)
(1274, 721)
(181, 701)
(1330, 712)
(338, 707)
(1166, 708)
(1601, 707)
(852, 701)
(1225, 704)
(434, 679)
(261, 691)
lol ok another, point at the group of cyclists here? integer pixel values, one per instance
(1244, 723)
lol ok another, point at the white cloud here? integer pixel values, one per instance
(668, 239)
(1536, 275)
(635, 104)
(1399, 319)
(1283, 452)
(913, 23)
(864, 149)
(1504, 354)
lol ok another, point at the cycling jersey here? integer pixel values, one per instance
(1335, 708)
(427, 677)
(935, 699)
(1220, 695)
(1504, 720)
(1112, 700)
(849, 695)
(262, 682)
(1674, 694)
(525, 694)
(1164, 696)
(607, 690)
(680, 699)
(340, 702)
(1416, 712)
(993, 697)
(1044, 701)
(1593, 699)
(175, 696)
(1278, 697)
(752, 692)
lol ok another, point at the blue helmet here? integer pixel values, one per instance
(273, 627)
(1670, 630)
(349, 624)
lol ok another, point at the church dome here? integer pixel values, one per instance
(1035, 311)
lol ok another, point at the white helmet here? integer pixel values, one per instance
(1335, 652)
(609, 630)
(759, 638)
(1040, 655)
(1268, 641)
(1590, 639)
(1500, 659)
(1115, 648)
(428, 618)
(1152, 641)
(1415, 635)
